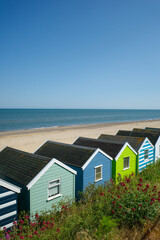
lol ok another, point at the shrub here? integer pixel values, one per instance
(133, 202)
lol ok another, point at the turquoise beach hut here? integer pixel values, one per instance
(43, 181)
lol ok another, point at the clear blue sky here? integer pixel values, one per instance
(80, 54)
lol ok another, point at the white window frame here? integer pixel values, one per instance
(96, 180)
(128, 163)
(144, 155)
(58, 184)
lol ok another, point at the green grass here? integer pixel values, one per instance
(110, 211)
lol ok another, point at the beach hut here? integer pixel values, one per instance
(124, 156)
(152, 136)
(43, 181)
(92, 164)
(154, 131)
(8, 204)
(142, 146)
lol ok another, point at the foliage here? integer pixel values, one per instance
(105, 226)
(147, 174)
(133, 201)
(1, 234)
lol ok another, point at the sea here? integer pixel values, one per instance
(20, 119)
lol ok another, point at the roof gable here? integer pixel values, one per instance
(124, 146)
(35, 179)
(93, 155)
(146, 140)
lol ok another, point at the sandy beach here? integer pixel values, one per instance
(30, 140)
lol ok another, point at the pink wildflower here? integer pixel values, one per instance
(36, 216)
(7, 237)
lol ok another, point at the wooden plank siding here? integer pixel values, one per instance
(24, 199)
(8, 207)
(89, 171)
(79, 185)
(127, 152)
(87, 176)
(23, 196)
(157, 149)
(141, 161)
(39, 191)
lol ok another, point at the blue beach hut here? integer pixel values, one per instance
(124, 156)
(92, 164)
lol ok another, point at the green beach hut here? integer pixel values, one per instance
(143, 147)
(153, 136)
(124, 156)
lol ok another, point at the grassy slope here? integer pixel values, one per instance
(105, 212)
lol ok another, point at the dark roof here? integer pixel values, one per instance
(66, 153)
(146, 130)
(153, 129)
(21, 166)
(112, 149)
(152, 137)
(135, 142)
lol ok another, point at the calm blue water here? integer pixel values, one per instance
(18, 119)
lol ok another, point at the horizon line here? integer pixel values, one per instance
(79, 108)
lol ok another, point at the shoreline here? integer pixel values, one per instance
(77, 126)
(30, 139)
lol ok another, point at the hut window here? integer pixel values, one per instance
(98, 173)
(125, 163)
(54, 189)
(146, 154)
